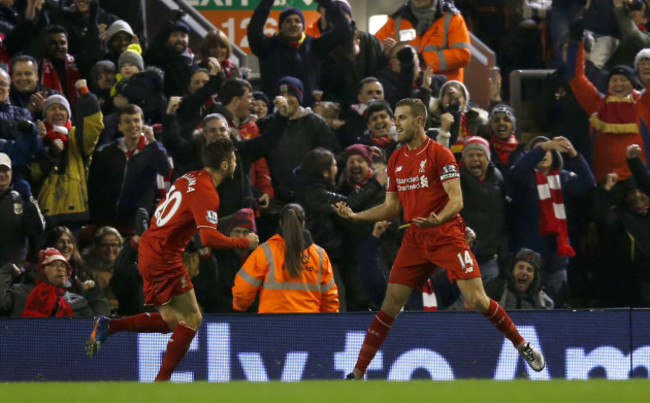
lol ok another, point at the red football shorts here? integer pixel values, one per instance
(423, 250)
(162, 282)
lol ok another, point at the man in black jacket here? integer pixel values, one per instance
(20, 217)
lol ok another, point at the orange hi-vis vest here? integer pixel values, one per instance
(313, 291)
(446, 43)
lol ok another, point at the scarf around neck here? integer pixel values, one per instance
(552, 215)
(50, 77)
(46, 300)
(56, 132)
(503, 148)
(424, 16)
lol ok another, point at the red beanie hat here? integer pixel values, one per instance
(244, 218)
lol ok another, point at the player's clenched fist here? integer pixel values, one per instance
(253, 240)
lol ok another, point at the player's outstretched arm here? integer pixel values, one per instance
(452, 187)
(386, 211)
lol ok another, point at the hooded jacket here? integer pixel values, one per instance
(446, 43)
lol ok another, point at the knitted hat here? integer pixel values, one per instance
(131, 55)
(116, 27)
(5, 160)
(344, 6)
(477, 143)
(454, 83)
(529, 256)
(100, 66)
(244, 218)
(506, 110)
(623, 70)
(259, 95)
(57, 99)
(290, 11)
(359, 149)
(181, 25)
(49, 255)
(643, 54)
(291, 85)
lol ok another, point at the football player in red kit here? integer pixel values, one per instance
(190, 205)
(423, 177)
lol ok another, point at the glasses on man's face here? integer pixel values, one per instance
(4, 84)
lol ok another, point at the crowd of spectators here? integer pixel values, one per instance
(96, 123)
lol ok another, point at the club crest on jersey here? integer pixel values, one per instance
(399, 168)
(422, 164)
(212, 217)
(449, 171)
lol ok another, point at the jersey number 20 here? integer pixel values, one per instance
(166, 210)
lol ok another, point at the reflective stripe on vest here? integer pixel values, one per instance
(271, 284)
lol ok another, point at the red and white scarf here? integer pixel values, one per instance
(358, 186)
(56, 132)
(503, 148)
(50, 78)
(429, 300)
(552, 215)
(381, 141)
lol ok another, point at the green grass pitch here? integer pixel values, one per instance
(466, 391)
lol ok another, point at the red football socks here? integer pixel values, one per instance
(375, 336)
(141, 323)
(500, 319)
(177, 347)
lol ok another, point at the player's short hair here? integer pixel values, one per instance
(417, 107)
(215, 153)
(131, 109)
(233, 87)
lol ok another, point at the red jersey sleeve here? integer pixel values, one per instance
(391, 186)
(446, 165)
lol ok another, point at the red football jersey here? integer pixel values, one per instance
(191, 203)
(417, 177)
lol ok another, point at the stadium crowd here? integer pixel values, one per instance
(95, 125)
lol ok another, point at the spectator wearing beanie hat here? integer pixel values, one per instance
(504, 146)
(45, 291)
(261, 105)
(170, 51)
(305, 131)
(522, 286)
(456, 118)
(244, 220)
(618, 118)
(358, 166)
(291, 87)
(57, 125)
(70, 177)
(130, 61)
(484, 204)
(291, 52)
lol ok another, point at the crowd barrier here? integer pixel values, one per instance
(612, 344)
